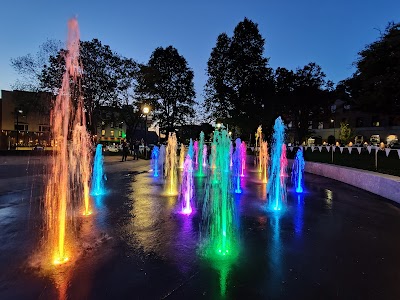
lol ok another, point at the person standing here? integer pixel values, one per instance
(125, 151)
(136, 150)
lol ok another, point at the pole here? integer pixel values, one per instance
(16, 146)
(145, 139)
(376, 158)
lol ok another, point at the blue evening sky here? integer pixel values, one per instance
(329, 33)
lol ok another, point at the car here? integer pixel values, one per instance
(38, 148)
(112, 148)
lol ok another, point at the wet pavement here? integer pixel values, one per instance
(333, 242)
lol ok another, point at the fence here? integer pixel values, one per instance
(371, 158)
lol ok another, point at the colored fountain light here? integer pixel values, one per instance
(68, 179)
(200, 171)
(98, 173)
(298, 171)
(276, 184)
(182, 156)
(171, 165)
(196, 152)
(243, 155)
(205, 152)
(155, 153)
(191, 150)
(259, 139)
(187, 187)
(161, 160)
(219, 216)
(264, 159)
(237, 166)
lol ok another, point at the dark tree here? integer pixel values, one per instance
(375, 86)
(166, 83)
(239, 78)
(106, 75)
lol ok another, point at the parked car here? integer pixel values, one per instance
(375, 139)
(113, 148)
(391, 139)
(358, 141)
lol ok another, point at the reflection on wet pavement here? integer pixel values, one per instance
(332, 241)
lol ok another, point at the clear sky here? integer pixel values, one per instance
(329, 33)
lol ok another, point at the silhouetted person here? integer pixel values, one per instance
(125, 151)
(136, 151)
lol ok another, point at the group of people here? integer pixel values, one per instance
(133, 148)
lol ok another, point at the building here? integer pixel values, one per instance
(24, 119)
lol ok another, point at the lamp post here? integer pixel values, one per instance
(146, 111)
(18, 112)
(334, 136)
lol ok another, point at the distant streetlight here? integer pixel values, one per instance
(334, 136)
(146, 111)
(18, 112)
(230, 133)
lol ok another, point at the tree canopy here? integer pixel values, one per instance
(166, 83)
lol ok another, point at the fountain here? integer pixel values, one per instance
(237, 166)
(161, 160)
(68, 178)
(181, 156)
(196, 152)
(243, 155)
(98, 173)
(171, 165)
(259, 139)
(154, 160)
(219, 216)
(187, 187)
(264, 158)
(205, 151)
(298, 171)
(200, 167)
(191, 150)
(276, 187)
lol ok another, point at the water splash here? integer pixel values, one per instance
(298, 171)
(219, 215)
(264, 159)
(196, 152)
(205, 152)
(155, 153)
(181, 156)
(200, 171)
(161, 160)
(68, 179)
(237, 166)
(191, 150)
(259, 139)
(243, 155)
(276, 190)
(98, 173)
(187, 187)
(171, 165)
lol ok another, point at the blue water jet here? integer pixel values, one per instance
(154, 160)
(276, 184)
(298, 171)
(237, 166)
(98, 173)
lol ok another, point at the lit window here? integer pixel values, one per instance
(120, 133)
(309, 124)
(112, 124)
(112, 133)
(103, 132)
(320, 125)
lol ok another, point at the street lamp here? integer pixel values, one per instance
(18, 112)
(334, 136)
(146, 111)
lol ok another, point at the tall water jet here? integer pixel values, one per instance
(161, 160)
(243, 155)
(264, 161)
(171, 165)
(191, 150)
(231, 154)
(219, 216)
(298, 171)
(259, 139)
(68, 179)
(187, 187)
(181, 156)
(155, 153)
(200, 168)
(98, 173)
(213, 156)
(205, 152)
(237, 166)
(196, 152)
(276, 190)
